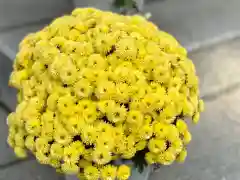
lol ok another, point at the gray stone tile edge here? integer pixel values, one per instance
(212, 96)
(7, 51)
(213, 41)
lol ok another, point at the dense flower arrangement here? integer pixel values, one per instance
(94, 87)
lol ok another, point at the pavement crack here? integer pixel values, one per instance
(5, 108)
(215, 95)
(13, 163)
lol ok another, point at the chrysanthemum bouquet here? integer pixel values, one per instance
(95, 87)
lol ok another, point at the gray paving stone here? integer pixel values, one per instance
(14, 12)
(217, 66)
(229, 105)
(101, 4)
(214, 151)
(9, 40)
(196, 22)
(7, 155)
(141, 176)
(29, 170)
(7, 94)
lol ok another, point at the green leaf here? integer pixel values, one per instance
(123, 3)
(139, 161)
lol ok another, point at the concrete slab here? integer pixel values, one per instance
(195, 22)
(7, 155)
(15, 13)
(9, 40)
(101, 4)
(141, 176)
(7, 94)
(29, 170)
(218, 66)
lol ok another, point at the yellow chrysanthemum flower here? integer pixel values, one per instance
(196, 117)
(135, 117)
(150, 158)
(108, 172)
(83, 88)
(48, 130)
(201, 105)
(117, 114)
(104, 43)
(145, 132)
(30, 142)
(182, 156)
(129, 152)
(42, 145)
(55, 163)
(20, 152)
(123, 172)
(19, 139)
(96, 61)
(81, 176)
(91, 173)
(75, 124)
(11, 119)
(166, 158)
(103, 127)
(71, 154)
(95, 87)
(11, 141)
(17, 77)
(188, 108)
(52, 101)
(106, 142)
(88, 155)
(79, 146)
(187, 137)
(61, 136)
(119, 146)
(89, 134)
(42, 157)
(181, 125)
(173, 133)
(141, 145)
(106, 105)
(69, 168)
(56, 151)
(160, 130)
(105, 90)
(101, 155)
(33, 127)
(82, 163)
(177, 145)
(157, 145)
(66, 105)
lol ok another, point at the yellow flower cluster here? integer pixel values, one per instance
(94, 87)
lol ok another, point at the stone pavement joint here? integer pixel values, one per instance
(228, 90)
(26, 24)
(217, 67)
(14, 163)
(4, 107)
(30, 170)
